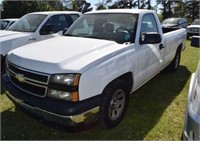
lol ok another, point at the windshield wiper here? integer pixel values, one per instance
(94, 37)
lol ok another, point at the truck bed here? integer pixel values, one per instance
(168, 29)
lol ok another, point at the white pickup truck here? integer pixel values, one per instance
(89, 73)
(34, 27)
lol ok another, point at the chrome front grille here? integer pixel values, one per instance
(28, 81)
(195, 29)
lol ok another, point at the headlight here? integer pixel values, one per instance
(196, 102)
(68, 96)
(66, 79)
(64, 87)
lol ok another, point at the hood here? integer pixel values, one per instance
(193, 26)
(6, 33)
(10, 40)
(64, 54)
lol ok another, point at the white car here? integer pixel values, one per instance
(194, 28)
(192, 117)
(6, 23)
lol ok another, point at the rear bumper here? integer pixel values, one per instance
(60, 112)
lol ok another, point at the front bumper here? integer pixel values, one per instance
(191, 125)
(57, 111)
(193, 34)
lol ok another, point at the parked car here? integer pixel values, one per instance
(34, 27)
(89, 73)
(5, 23)
(192, 117)
(194, 28)
(175, 22)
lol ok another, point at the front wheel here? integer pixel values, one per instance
(114, 104)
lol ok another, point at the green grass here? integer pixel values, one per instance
(156, 111)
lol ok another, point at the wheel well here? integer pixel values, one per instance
(180, 47)
(128, 77)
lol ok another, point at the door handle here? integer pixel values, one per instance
(161, 46)
(32, 39)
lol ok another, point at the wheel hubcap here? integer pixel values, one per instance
(116, 104)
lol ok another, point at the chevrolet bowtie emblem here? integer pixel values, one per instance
(20, 77)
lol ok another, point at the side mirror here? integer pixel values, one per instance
(47, 29)
(65, 30)
(150, 38)
(195, 41)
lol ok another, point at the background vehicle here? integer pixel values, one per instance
(175, 22)
(34, 27)
(192, 117)
(90, 72)
(5, 23)
(195, 41)
(194, 28)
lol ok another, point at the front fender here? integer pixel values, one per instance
(94, 80)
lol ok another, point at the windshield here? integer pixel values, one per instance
(3, 24)
(28, 23)
(113, 26)
(196, 22)
(170, 21)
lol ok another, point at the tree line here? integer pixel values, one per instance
(189, 9)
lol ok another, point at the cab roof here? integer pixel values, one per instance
(132, 11)
(56, 12)
(10, 19)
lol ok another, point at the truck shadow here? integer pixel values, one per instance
(148, 103)
(146, 107)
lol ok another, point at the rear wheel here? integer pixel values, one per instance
(114, 104)
(174, 65)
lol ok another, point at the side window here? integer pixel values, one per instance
(74, 17)
(54, 24)
(82, 28)
(149, 24)
(11, 23)
(180, 22)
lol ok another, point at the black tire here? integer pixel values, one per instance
(2, 65)
(174, 65)
(182, 139)
(114, 104)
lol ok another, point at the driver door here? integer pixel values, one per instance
(150, 55)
